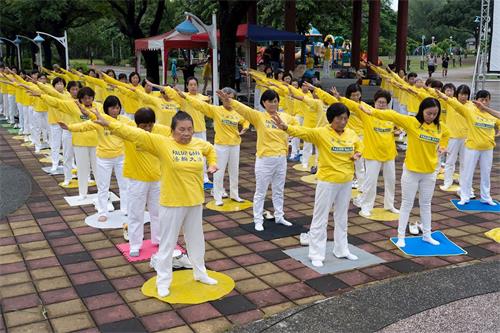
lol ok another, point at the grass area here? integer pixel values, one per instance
(415, 62)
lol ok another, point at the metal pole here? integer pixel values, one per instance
(215, 69)
(66, 51)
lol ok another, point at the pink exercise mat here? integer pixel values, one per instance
(147, 250)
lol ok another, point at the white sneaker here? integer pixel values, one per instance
(413, 228)
(349, 256)
(134, 253)
(181, 261)
(259, 226)
(430, 240)
(394, 210)
(284, 222)
(111, 208)
(238, 199)
(53, 170)
(268, 216)
(357, 201)
(355, 183)
(365, 213)
(207, 280)
(317, 263)
(304, 239)
(224, 194)
(219, 203)
(489, 202)
(462, 202)
(401, 242)
(163, 292)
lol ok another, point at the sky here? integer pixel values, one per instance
(394, 5)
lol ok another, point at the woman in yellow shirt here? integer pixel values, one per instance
(181, 196)
(427, 138)
(380, 152)
(227, 143)
(338, 148)
(479, 146)
(272, 149)
(109, 157)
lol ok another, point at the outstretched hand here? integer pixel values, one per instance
(365, 109)
(100, 118)
(179, 92)
(335, 93)
(480, 105)
(212, 169)
(63, 125)
(225, 99)
(279, 122)
(356, 156)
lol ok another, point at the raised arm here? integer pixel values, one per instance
(483, 107)
(246, 112)
(391, 115)
(307, 134)
(83, 126)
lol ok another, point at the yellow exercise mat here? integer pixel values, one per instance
(441, 176)
(73, 171)
(380, 214)
(310, 179)
(18, 137)
(300, 167)
(45, 159)
(229, 205)
(73, 183)
(27, 144)
(185, 290)
(355, 192)
(494, 234)
(45, 151)
(452, 188)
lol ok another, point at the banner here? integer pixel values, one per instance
(494, 63)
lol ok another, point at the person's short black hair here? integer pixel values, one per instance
(268, 95)
(289, 75)
(436, 84)
(483, 94)
(57, 80)
(179, 116)
(381, 93)
(191, 78)
(449, 86)
(108, 71)
(335, 110)
(72, 84)
(85, 91)
(463, 89)
(91, 70)
(144, 116)
(132, 75)
(412, 74)
(111, 101)
(353, 87)
(122, 76)
(426, 103)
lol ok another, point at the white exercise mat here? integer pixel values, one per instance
(115, 220)
(59, 170)
(91, 199)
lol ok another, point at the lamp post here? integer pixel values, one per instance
(451, 44)
(422, 59)
(64, 42)
(16, 43)
(187, 26)
(38, 40)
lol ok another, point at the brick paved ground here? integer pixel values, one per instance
(57, 274)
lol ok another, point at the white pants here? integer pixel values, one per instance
(1, 105)
(45, 132)
(12, 108)
(471, 157)
(360, 171)
(29, 115)
(5, 105)
(371, 180)
(307, 152)
(326, 66)
(139, 194)
(104, 169)
(172, 219)
(296, 141)
(411, 182)
(23, 123)
(269, 170)
(68, 154)
(227, 156)
(36, 129)
(203, 136)
(455, 147)
(55, 144)
(85, 160)
(327, 195)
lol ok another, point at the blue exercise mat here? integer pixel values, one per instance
(415, 246)
(208, 186)
(476, 206)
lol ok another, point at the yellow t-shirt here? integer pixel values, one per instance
(53, 115)
(140, 164)
(335, 151)
(480, 126)
(164, 110)
(108, 145)
(198, 117)
(225, 121)
(271, 141)
(181, 164)
(313, 112)
(423, 140)
(378, 135)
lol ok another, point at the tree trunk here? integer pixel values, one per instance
(47, 53)
(152, 65)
